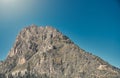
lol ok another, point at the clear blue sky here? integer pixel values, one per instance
(92, 24)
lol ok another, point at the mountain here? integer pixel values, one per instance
(44, 52)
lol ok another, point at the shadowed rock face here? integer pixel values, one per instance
(44, 52)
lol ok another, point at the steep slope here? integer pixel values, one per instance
(44, 52)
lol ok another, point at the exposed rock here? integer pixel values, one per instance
(102, 67)
(44, 52)
(21, 60)
(15, 72)
(1, 62)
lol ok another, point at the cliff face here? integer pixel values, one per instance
(44, 52)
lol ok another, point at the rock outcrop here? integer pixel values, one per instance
(44, 52)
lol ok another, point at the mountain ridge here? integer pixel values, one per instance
(44, 52)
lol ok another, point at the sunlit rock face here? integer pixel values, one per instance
(44, 52)
(21, 60)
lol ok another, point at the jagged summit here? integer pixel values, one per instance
(44, 52)
(32, 36)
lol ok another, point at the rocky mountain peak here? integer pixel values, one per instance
(44, 52)
(31, 37)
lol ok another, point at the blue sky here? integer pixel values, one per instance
(92, 24)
